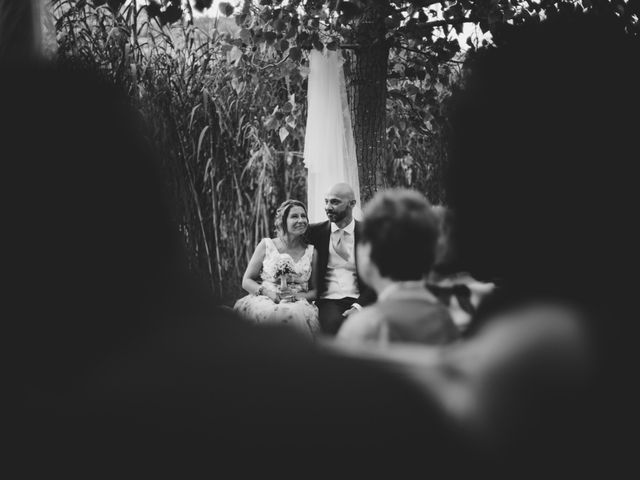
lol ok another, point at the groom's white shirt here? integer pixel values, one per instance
(342, 276)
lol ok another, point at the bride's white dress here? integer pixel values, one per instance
(260, 309)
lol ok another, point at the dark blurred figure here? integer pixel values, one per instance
(120, 365)
(18, 39)
(396, 251)
(542, 182)
(449, 280)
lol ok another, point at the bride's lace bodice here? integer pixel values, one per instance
(298, 280)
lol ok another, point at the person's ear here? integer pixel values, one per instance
(352, 203)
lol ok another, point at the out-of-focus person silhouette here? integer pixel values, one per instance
(17, 30)
(120, 364)
(449, 281)
(27, 30)
(541, 168)
(396, 252)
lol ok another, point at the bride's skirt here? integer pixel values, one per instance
(264, 311)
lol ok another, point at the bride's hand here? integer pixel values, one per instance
(273, 296)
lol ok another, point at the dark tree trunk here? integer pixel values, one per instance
(366, 81)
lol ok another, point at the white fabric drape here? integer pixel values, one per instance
(329, 148)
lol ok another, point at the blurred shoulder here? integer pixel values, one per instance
(363, 325)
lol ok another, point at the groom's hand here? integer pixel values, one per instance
(273, 296)
(354, 308)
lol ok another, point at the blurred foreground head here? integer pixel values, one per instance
(544, 145)
(88, 245)
(399, 235)
(541, 180)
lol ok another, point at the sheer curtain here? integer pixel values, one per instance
(329, 148)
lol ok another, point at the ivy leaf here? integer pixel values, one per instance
(398, 68)
(270, 37)
(225, 8)
(291, 33)
(510, 13)
(453, 12)
(349, 11)
(245, 35)
(332, 45)
(283, 133)
(494, 17)
(237, 85)
(172, 14)
(234, 55)
(153, 9)
(295, 54)
(317, 44)
(391, 23)
(283, 45)
(201, 5)
(271, 122)
(411, 89)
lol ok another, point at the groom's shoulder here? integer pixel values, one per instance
(318, 226)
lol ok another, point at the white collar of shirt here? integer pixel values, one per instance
(349, 228)
(409, 288)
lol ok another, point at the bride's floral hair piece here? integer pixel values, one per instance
(282, 213)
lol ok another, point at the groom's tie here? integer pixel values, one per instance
(339, 244)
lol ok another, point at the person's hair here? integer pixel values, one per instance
(402, 231)
(282, 213)
(543, 144)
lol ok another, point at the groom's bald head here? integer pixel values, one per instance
(338, 204)
(342, 190)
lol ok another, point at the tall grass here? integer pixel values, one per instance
(206, 110)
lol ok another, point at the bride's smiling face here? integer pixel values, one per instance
(297, 222)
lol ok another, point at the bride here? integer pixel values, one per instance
(277, 277)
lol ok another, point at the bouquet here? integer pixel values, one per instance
(284, 267)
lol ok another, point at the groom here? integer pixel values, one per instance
(340, 291)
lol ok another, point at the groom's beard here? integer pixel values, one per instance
(336, 217)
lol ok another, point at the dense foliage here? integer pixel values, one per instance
(225, 99)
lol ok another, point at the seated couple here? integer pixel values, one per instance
(392, 250)
(319, 264)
